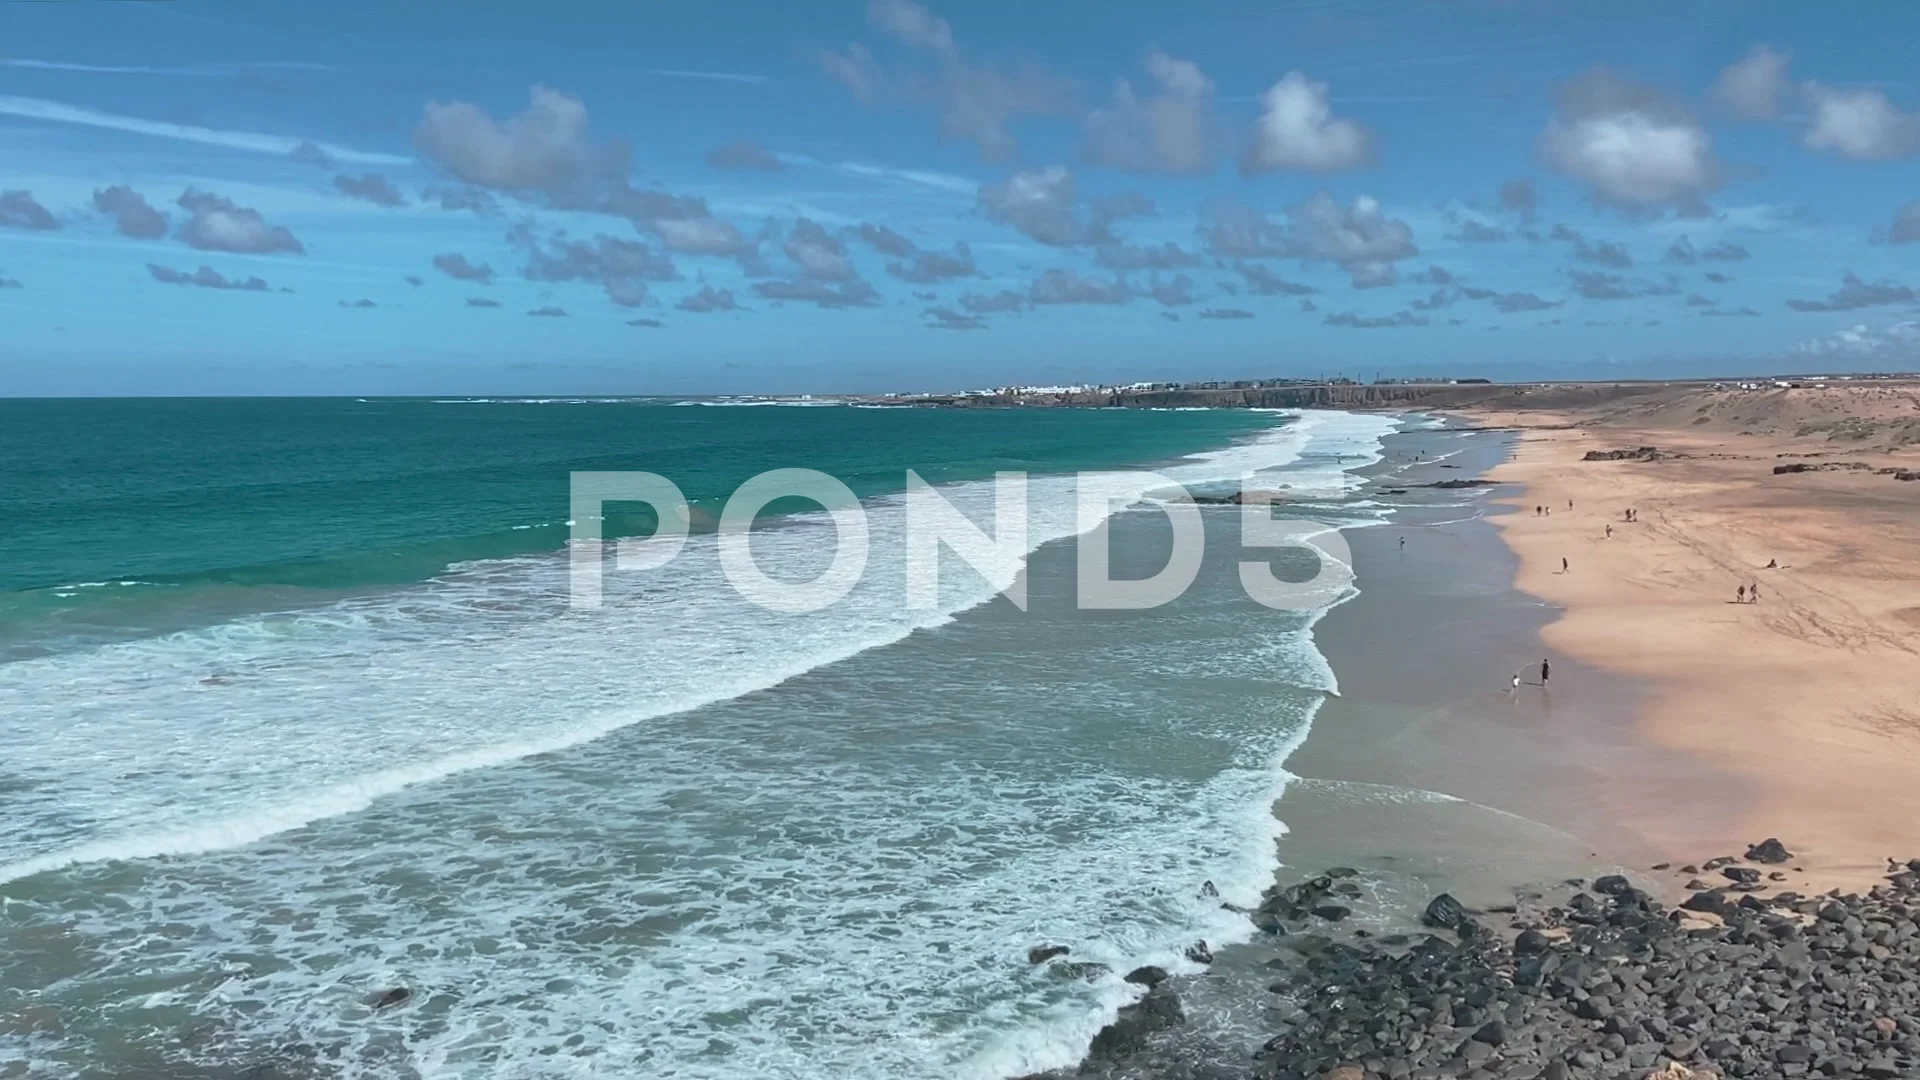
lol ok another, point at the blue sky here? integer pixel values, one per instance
(678, 197)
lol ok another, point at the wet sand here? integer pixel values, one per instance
(1430, 755)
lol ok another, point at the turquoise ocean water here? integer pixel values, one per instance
(293, 710)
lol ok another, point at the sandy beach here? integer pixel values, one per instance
(1808, 697)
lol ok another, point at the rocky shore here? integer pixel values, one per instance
(1582, 980)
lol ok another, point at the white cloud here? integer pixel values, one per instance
(1629, 144)
(1168, 131)
(1752, 85)
(1860, 124)
(911, 23)
(543, 148)
(1039, 203)
(58, 112)
(1297, 130)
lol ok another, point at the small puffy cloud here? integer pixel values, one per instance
(1170, 316)
(471, 199)
(1906, 224)
(1359, 237)
(1598, 286)
(1716, 278)
(1173, 292)
(205, 278)
(216, 224)
(819, 256)
(994, 303)
(1740, 312)
(1439, 298)
(541, 150)
(1226, 313)
(1297, 130)
(20, 210)
(1166, 256)
(459, 268)
(1384, 322)
(363, 302)
(650, 324)
(1682, 252)
(482, 301)
(745, 155)
(1512, 303)
(10, 283)
(548, 313)
(1696, 300)
(1854, 293)
(1629, 144)
(1308, 305)
(884, 240)
(132, 214)
(1262, 281)
(928, 267)
(1726, 251)
(372, 187)
(1752, 86)
(1603, 254)
(975, 102)
(850, 294)
(1561, 233)
(1067, 287)
(1433, 275)
(1860, 124)
(945, 318)
(620, 266)
(415, 280)
(708, 299)
(1169, 130)
(1475, 232)
(1519, 197)
(1039, 203)
(702, 235)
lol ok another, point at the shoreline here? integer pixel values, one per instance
(1804, 697)
(1515, 812)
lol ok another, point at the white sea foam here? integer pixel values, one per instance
(712, 894)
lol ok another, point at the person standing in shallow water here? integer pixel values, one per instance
(1545, 670)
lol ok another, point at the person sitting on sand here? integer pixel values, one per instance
(1773, 564)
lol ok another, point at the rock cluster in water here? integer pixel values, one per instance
(1583, 981)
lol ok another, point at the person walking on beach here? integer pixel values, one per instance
(1753, 591)
(1609, 532)
(1545, 670)
(1563, 564)
(1403, 543)
(1516, 684)
(1740, 595)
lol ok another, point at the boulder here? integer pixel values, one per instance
(1157, 1011)
(1770, 850)
(1148, 976)
(1040, 954)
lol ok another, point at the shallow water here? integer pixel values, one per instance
(677, 837)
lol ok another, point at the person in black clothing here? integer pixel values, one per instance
(1545, 670)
